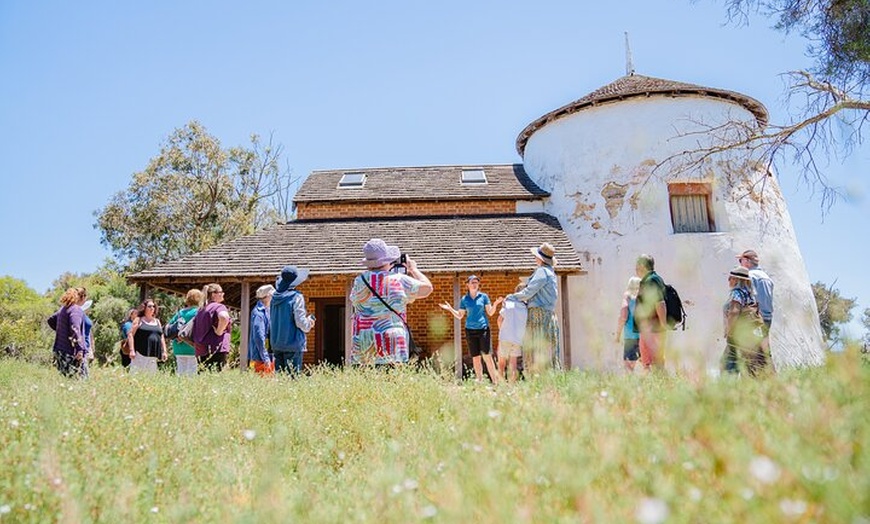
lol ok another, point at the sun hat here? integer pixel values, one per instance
(265, 291)
(290, 276)
(472, 277)
(378, 253)
(750, 254)
(740, 272)
(546, 253)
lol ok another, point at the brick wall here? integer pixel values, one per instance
(310, 210)
(431, 325)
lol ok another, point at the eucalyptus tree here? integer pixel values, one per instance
(195, 194)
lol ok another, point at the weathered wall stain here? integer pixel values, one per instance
(614, 197)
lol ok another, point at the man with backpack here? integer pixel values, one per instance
(651, 313)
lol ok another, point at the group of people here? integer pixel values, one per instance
(747, 317)
(527, 322)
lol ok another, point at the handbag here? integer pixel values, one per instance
(414, 351)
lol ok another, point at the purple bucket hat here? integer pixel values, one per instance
(378, 253)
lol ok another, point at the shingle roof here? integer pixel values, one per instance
(438, 244)
(504, 182)
(635, 86)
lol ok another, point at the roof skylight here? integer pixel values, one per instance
(352, 180)
(473, 176)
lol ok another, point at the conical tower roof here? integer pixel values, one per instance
(632, 86)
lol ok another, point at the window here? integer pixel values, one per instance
(352, 180)
(691, 207)
(473, 176)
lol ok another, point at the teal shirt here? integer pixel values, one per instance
(178, 347)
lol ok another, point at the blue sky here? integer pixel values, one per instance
(91, 89)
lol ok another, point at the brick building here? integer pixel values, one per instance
(453, 220)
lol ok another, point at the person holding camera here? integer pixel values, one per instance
(479, 308)
(379, 297)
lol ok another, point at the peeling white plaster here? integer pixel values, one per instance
(585, 159)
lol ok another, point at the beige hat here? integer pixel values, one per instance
(740, 272)
(750, 254)
(265, 291)
(546, 253)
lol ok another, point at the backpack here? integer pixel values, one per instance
(675, 313)
(185, 334)
(171, 330)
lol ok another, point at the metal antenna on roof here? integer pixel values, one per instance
(629, 67)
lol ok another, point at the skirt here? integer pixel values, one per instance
(541, 342)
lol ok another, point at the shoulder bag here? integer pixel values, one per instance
(413, 350)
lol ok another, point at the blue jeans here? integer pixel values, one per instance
(289, 362)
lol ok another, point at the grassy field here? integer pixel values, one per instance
(364, 446)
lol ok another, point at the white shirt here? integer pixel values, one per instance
(513, 326)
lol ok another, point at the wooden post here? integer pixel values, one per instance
(348, 319)
(245, 324)
(143, 292)
(565, 314)
(457, 329)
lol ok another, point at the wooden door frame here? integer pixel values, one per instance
(319, 329)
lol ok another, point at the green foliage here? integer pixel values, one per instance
(400, 446)
(23, 330)
(838, 32)
(192, 195)
(834, 311)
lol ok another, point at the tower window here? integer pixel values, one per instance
(352, 180)
(473, 176)
(691, 207)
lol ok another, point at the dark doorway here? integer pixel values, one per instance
(330, 331)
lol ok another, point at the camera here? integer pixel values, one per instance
(399, 264)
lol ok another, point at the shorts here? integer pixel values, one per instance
(185, 365)
(631, 349)
(509, 349)
(479, 342)
(143, 364)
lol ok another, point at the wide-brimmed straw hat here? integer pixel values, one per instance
(290, 276)
(546, 253)
(377, 253)
(740, 272)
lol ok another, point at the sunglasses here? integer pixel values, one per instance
(150, 305)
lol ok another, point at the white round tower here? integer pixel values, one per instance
(598, 158)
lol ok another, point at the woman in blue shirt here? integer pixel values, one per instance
(626, 331)
(477, 305)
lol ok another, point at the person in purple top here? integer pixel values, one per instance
(211, 329)
(70, 350)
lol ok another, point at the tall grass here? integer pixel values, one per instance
(366, 446)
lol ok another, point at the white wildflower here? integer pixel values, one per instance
(494, 413)
(429, 512)
(688, 466)
(397, 489)
(13, 423)
(695, 494)
(651, 511)
(477, 447)
(603, 394)
(249, 434)
(792, 508)
(747, 493)
(410, 484)
(155, 509)
(764, 470)
(5, 508)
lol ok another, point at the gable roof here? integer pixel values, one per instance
(634, 85)
(504, 182)
(438, 244)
